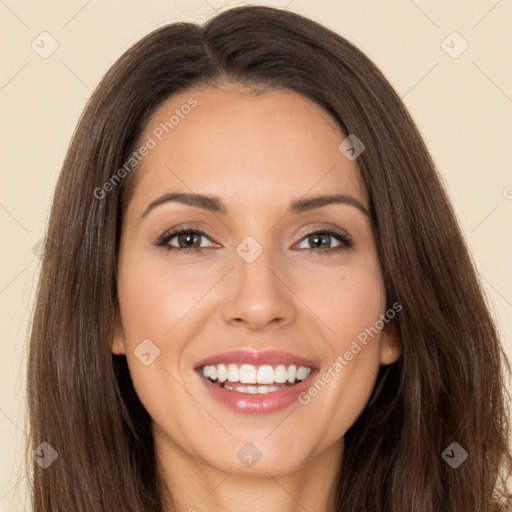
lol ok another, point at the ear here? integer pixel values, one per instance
(118, 341)
(390, 344)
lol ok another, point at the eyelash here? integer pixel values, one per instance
(345, 241)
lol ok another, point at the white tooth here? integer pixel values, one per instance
(213, 372)
(272, 388)
(248, 374)
(206, 371)
(262, 389)
(222, 373)
(233, 373)
(280, 374)
(301, 373)
(252, 389)
(241, 389)
(308, 372)
(292, 372)
(265, 374)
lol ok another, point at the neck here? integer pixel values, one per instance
(196, 486)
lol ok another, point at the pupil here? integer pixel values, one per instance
(319, 237)
(187, 238)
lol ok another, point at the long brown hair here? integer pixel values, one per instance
(449, 385)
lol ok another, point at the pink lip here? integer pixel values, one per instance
(256, 358)
(248, 403)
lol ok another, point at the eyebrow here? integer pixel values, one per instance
(215, 204)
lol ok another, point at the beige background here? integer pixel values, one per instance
(463, 107)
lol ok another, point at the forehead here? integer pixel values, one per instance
(230, 142)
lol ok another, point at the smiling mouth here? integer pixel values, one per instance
(248, 378)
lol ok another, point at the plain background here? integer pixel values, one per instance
(462, 106)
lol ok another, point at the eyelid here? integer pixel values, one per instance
(190, 227)
(322, 228)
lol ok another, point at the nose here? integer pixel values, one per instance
(260, 294)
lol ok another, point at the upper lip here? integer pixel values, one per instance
(256, 358)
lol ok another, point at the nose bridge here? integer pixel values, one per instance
(254, 260)
(258, 294)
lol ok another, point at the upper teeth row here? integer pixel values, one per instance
(250, 374)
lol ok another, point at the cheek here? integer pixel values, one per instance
(347, 301)
(159, 303)
(351, 306)
(154, 297)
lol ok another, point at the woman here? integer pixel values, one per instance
(255, 292)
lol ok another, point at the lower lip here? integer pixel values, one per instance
(265, 403)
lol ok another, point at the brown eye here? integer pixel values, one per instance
(186, 240)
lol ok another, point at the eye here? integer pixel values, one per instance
(319, 239)
(188, 239)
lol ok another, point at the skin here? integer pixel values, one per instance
(257, 153)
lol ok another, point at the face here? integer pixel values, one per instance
(232, 328)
